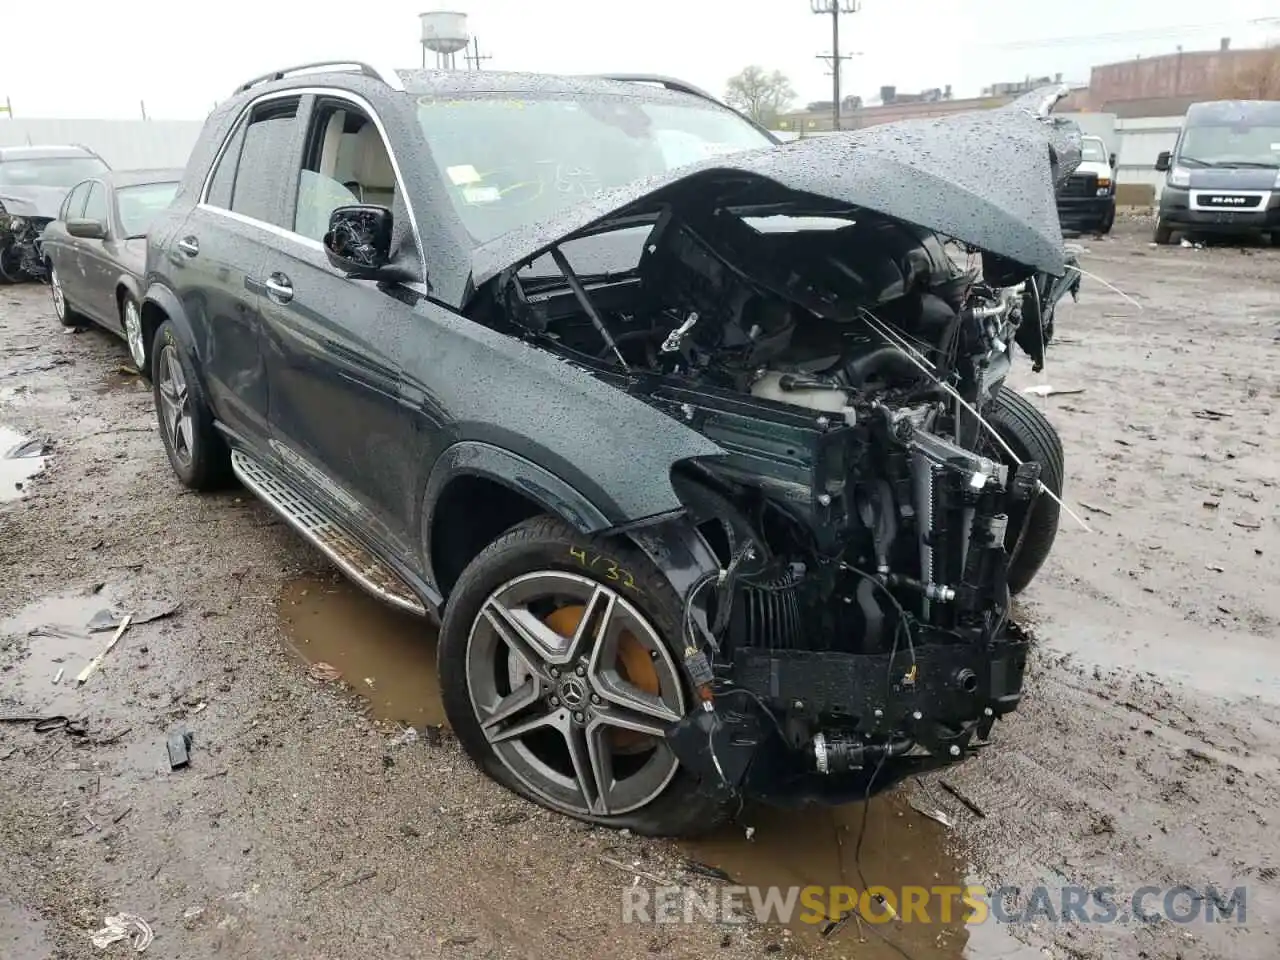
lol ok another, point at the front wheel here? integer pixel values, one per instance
(559, 678)
(1108, 221)
(1163, 234)
(1033, 438)
(197, 453)
(11, 266)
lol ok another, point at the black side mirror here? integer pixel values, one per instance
(87, 229)
(1162, 161)
(359, 239)
(1111, 161)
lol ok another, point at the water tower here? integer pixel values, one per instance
(445, 33)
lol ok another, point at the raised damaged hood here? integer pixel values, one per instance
(33, 201)
(986, 178)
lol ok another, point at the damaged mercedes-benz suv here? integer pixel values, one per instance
(698, 444)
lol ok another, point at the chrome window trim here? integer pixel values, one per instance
(332, 93)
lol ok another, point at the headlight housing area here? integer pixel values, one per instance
(1179, 177)
(17, 223)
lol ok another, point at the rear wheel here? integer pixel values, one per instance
(131, 322)
(61, 309)
(197, 453)
(559, 679)
(1032, 437)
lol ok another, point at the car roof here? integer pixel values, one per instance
(1234, 111)
(475, 82)
(52, 152)
(135, 178)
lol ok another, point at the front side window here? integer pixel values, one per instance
(510, 162)
(345, 162)
(95, 207)
(139, 205)
(49, 171)
(73, 206)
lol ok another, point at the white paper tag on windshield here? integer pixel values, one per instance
(463, 174)
(473, 194)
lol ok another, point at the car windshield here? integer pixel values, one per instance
(49, 171)
(139, 205)
(1093, 150)
(1226, 146)
(511, 162)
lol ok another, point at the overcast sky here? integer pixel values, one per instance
(88, 58)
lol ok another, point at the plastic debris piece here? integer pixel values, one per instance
(405, 737)
(93, 664)
(124, 926)
(932, 814)
(179, 746)
(322, 672)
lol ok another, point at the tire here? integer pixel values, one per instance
(1108, 221)
(1163, 233)
(198, 454)
(66, 314)
(11, 268)
(1032, 437)
(541, 557)
(134, 337)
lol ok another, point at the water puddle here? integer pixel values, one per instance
(20, 460)
(901, 848)
(386, 656)
(49, 637)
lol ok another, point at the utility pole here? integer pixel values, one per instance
(473, 59)
(833, 9)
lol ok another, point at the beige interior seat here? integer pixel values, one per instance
(372, 168)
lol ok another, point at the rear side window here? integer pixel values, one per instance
(250, 176)
(266, 157)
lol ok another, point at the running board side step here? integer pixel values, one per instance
(315, 525)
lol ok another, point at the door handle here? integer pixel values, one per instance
(189, 245)
(279, 288)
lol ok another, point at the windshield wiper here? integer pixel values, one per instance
(551, 281)
(1252, 164)
(1197, 161)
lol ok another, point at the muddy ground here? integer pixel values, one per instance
(1147, 750)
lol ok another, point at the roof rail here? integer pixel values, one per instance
(671, 83)
(388, 77)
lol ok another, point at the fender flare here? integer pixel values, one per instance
(131, 286)
(158, 296)
(474, 458)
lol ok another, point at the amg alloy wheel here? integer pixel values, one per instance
(558, 679)
(197, 452)
(573, 689)
(175, 405)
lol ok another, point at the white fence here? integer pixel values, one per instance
(124, 144)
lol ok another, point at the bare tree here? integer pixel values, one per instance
(760, 95)
(1258, 80)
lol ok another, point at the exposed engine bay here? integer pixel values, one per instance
(20, 253)
(844, 361)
